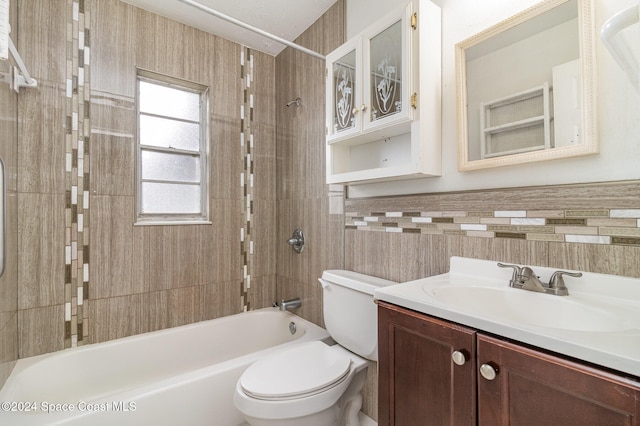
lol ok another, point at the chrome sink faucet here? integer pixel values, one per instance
(523, 277)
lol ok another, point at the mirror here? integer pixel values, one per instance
(525, 88)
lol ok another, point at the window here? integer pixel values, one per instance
(172, 169)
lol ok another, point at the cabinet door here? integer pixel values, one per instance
(344, 81)
(419, 384)
(387, 49)
(534, 388)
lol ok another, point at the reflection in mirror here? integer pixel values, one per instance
(525, 86)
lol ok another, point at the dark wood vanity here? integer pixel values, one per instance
(434, 372)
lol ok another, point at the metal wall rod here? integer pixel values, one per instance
(252, 28)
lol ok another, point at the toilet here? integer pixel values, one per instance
(318, 383)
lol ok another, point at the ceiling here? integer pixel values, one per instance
(284, 18)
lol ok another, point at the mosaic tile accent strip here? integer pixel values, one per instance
(602, 226)
(77, 133)
(246, 177)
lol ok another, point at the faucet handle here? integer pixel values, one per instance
(556, 283)
(517, 271)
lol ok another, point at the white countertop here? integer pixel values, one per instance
(611, 341)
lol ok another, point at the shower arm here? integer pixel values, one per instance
(246, 26)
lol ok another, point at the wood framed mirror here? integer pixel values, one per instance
(525, 88)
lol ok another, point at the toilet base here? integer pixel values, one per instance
(345, 412)
(328, 417)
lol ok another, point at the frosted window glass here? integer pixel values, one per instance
(171, 150)
(164, 166)
(169, 101)
(170, 198)
(167, 133)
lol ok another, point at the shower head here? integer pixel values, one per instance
(296, 101)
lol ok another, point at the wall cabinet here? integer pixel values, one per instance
(435, 372)
(372, 81)
(383, 88)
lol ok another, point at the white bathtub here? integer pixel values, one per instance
(184, 375)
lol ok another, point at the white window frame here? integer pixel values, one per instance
(145, 218)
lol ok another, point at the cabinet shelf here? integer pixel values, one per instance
(527, 122)
(387, 132)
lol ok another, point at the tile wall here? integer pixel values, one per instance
(77, 172)
(303, 199)
(86, 273)
(592, 227)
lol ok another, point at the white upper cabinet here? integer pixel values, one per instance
(371, 79)
(374, 94)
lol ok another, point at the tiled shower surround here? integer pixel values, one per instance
(86, 273)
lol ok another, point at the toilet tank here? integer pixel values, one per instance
(350, 315)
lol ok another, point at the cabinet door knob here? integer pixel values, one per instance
(458, 357)
(363, 107)
(488, 371)
(355, 110)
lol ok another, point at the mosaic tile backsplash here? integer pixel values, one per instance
(77, 174)
(246, 177)
(599, 226)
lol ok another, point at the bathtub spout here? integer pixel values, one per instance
(287, 305)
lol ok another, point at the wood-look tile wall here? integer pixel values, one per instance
(41, 185)
(154, 277)
(9, 279)
(139, 278)
(402, 256)
(303, 199)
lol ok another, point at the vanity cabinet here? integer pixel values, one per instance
(433, 372)
(414, 353)
(382, 87)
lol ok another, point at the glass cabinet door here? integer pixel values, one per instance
(344, 91)
(387, 79)
(344, 84)
(385, 67)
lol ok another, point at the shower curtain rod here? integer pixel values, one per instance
(25, 73)
(252, 28)
(14, 78)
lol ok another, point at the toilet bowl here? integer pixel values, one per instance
(318, 383)
(305, 385)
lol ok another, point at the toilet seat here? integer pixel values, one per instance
(304, 370)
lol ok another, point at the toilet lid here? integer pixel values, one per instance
(303, 370)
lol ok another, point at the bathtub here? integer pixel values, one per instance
(184, 375)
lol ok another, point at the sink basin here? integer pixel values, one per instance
(598, 322)
(530, 308)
